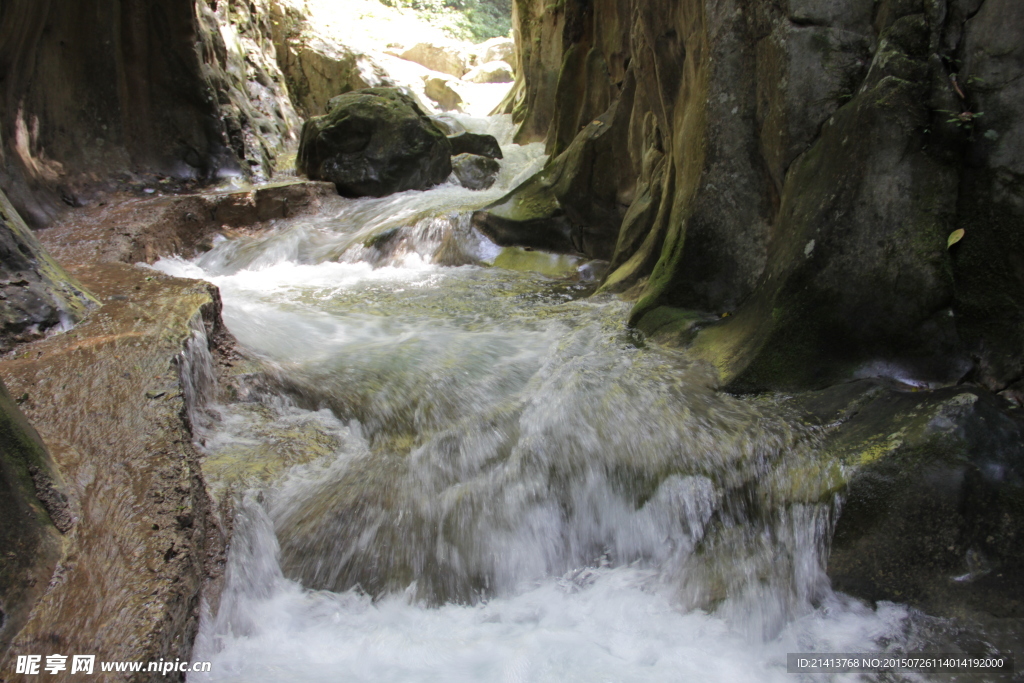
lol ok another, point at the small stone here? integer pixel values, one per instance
(475, 172)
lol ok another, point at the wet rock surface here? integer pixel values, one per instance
(373, 143)
(933, 507)
(130, 230)
(145, 539)
(475, 172)
(475, 143)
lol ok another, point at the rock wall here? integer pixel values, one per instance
(32, 506)
(94, 90)
(792, 170)
(315, 68)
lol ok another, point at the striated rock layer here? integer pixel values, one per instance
(798, 166)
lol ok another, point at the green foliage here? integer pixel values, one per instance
(475, 20)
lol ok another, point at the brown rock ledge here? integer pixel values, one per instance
(108, 399)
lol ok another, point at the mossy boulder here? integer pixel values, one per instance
(374, 142)
(933, 510)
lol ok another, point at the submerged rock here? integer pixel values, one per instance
(373, 143)
(475, 143)
(475, 172)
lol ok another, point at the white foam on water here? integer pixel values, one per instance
(513, 437)
(600, 624)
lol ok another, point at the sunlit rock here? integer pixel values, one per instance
(447, 59)
(490, 72)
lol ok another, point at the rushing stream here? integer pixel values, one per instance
(484, 476)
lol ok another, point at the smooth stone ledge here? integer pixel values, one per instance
(109, 403)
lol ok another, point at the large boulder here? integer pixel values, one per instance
(319, 69)
(497, 50)
(374, 142)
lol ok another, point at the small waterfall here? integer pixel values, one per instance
(197, 374)
(478, 474)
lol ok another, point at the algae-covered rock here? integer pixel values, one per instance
(474, 171)
(36, 294)
(529, 216)
(934, 505)
(374, 142)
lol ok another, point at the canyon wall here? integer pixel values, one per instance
(775, 182)
(94, 92)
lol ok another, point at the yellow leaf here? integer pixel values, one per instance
(954, 237)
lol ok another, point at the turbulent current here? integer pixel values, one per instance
(462, 466)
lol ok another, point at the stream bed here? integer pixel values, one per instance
(481, 474)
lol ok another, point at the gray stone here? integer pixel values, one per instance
(475, 172)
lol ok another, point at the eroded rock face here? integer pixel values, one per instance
(172, 87)
(32, 506)
(794, 166)
(317, 69)
(373, 143)
(36, 294)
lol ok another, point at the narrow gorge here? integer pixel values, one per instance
(663, 340)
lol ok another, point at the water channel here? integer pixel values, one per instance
(485, 476)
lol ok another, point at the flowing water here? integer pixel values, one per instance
(476, 473)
